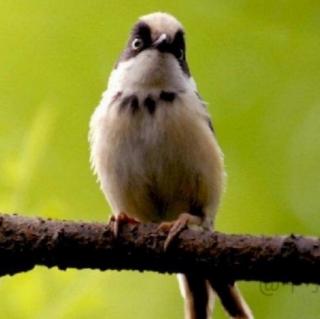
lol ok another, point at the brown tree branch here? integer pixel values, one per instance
(26, 242)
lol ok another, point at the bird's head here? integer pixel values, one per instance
(155, 55)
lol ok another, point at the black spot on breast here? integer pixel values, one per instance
(167, 96)
(130, 101)
(124, 103)
(134, 104)
(150, 104)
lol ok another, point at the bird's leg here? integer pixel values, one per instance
(117, 220)
(177, 226)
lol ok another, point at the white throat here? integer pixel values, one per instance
(150, 70)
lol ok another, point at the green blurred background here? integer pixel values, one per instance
(257, 63)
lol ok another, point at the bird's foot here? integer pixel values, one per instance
(116, 221)
(177, 226)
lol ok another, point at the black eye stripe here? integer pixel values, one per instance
(178, 48)
(142, 31)
(178, 44)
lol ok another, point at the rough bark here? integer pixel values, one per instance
(26, 242)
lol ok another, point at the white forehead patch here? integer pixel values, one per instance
(160, 22)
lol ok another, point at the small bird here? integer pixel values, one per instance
(154, 149)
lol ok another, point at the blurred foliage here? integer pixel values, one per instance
(257, 63)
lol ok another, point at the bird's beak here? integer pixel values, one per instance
(162, 42)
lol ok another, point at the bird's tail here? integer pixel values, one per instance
(232, 301)
(199, 298)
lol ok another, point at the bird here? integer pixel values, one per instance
(155, 153)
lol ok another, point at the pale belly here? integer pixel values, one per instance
(154, 168)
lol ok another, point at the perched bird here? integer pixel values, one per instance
(154, 150)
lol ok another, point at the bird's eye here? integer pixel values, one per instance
(137, 44)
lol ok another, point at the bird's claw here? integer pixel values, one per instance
(116, 221)
(177, 226)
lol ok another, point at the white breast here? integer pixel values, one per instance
(155, 166)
